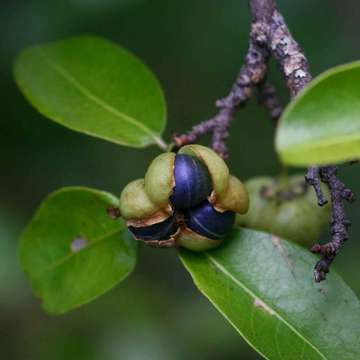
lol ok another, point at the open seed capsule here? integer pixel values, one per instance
(186, 199)
(208, 222)
(186, 178)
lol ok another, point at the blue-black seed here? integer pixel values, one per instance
(192, 182)
(160, 231)
(205, 220)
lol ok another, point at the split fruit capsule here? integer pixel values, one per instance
(186, 199)
(179, 179)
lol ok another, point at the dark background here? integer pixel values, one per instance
(196, 48)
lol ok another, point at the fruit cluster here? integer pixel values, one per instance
(186, 199)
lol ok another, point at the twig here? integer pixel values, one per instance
(312, 177)
(289, 54)
(270, 36)
(268, 97)
(295, 68)
(339, 224)
(251, 74)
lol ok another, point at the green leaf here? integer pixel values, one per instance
(91, 85)
(73, 251)
(264, 287)
(322, 125)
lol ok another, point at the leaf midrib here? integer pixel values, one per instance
(87, 93)
(70, 255)
(336, 140)
(221, 268)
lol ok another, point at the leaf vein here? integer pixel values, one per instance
(277, 340)
(70, 255)
(87, 93)
(249, 292)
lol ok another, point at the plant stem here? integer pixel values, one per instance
(270, 36)
(251, 74)
(161, 143)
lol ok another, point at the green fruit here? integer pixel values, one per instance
(159, 178)
(235, 198)
(195, 242)
(289, 210)
(135, 203)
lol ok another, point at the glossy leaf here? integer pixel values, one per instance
(72, 251)
(264, 287)
(93, 86)
(322, 125)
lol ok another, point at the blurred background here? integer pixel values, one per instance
(196, 48)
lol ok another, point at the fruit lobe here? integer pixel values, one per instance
(192, 182)
(158, 231)
(217, 167)
(234, 198)
(195, 242)
(135, 202)
(208, 222)
(159, 178)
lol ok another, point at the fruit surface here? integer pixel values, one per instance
(217, 167)
(159, 231)
(206, 221)
(159, 178)
(234, 198)
(289, 210)
(192, 182)
(135, 202)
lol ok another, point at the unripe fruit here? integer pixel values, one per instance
(135, 202)
(192, 182)
(159, 178)
(206, 221)
(234, 198)
(289, 211)
(195, 242)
